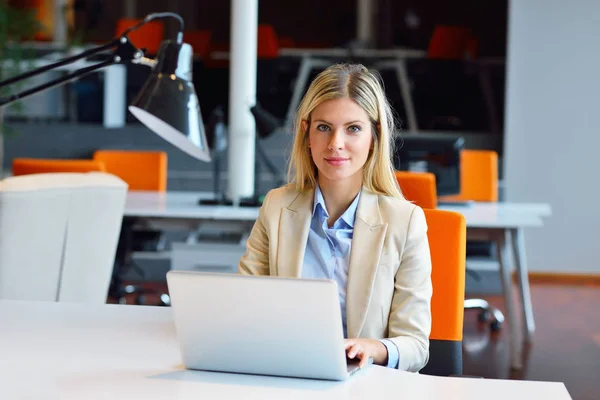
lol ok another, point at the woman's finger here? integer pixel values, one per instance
(354, 350)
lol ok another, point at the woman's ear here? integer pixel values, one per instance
(304, 125)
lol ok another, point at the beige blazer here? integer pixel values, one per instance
(389, 280)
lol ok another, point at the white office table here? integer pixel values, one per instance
(502, 223)
(74, 351)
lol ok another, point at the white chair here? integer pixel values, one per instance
(59, 235)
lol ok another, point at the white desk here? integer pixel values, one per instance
(72, 351)
(502, 223)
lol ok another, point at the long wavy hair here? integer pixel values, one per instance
(364, 87)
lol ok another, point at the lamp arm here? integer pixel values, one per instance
(124, 52)
(60, 63)
(56, 82)
(152, 16)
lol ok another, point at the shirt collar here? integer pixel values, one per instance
(348, 216)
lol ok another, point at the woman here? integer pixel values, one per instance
(343, 217)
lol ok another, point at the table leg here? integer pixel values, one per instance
(409, 106)
(520, 258)
(505, 274)
(299, 85)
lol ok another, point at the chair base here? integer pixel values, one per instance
(488, 313)
(128, 242)
(141, 298)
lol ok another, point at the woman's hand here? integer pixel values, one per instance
(363, 349)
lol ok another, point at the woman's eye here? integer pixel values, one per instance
(354, 128)
(322, 128)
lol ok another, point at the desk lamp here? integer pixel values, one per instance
(167, 103)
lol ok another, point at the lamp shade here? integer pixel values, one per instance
(167, 103)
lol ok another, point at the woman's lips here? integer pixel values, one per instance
(336, 161)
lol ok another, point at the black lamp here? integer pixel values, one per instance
(167, 103)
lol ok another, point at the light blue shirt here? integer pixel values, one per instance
(327, 256)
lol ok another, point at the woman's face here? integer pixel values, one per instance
(340, 139)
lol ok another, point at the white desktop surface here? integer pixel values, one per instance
(72, 351)
(181, 204)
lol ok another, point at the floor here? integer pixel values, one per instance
(566, 345)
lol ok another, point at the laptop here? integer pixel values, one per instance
(259, 325)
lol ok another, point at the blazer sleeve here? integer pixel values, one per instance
(410, 315)
(255, 260)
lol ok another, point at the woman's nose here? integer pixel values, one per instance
(337, 141)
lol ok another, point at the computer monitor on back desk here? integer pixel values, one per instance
(438, 154)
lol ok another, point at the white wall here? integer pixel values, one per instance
(552, 138)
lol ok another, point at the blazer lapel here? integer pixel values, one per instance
(293, 233)
(367, 245)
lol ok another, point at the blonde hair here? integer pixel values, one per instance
(364, 87)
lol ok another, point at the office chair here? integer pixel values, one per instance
(142, 170)
(418, 187)
(479, 182)
(27, 166)
(58, 236)
(447, 232)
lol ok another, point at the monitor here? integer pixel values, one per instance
(438, 154)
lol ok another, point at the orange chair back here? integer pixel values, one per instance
(27, 166)
(199, 40)
(142, 170)
(451, 43)
(267, 42)
(418, 187)
(148, 36)
(447, 235)
(478, 176)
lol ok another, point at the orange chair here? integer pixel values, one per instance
(447, 232)
(149, 36)
(267, 42)
(478, 177)
(479, 182)
(142, 170)
(27, 166)
(200, 41)
(451, 42)
(418, 187)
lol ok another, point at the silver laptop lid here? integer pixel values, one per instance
(258, 325)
